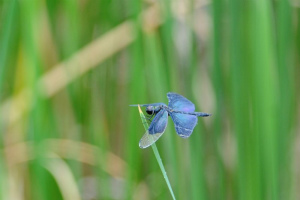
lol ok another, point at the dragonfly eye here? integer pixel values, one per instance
(149, 110)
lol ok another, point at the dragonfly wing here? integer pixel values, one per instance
(156, 129)
(148, 139)
(150, 104)
(180, 103)
(184, 124)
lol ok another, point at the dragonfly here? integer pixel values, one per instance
(182, 112)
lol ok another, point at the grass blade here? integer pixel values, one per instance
(156, 153)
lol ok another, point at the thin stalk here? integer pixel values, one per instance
(156, 153)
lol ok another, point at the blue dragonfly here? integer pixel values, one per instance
(182, 113)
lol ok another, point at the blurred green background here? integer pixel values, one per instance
(70, 68)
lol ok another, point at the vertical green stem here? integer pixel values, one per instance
(157, 156)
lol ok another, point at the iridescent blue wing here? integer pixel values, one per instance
(184, 123)
(180, 103)
(150, 104)
(156, 129)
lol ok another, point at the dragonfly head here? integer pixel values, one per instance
(150, 110)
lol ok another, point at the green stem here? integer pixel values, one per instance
(156, 153)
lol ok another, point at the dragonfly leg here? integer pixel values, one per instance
(149, 117)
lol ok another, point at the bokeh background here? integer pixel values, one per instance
(70, 68)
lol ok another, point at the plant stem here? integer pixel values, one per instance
(156, 153)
